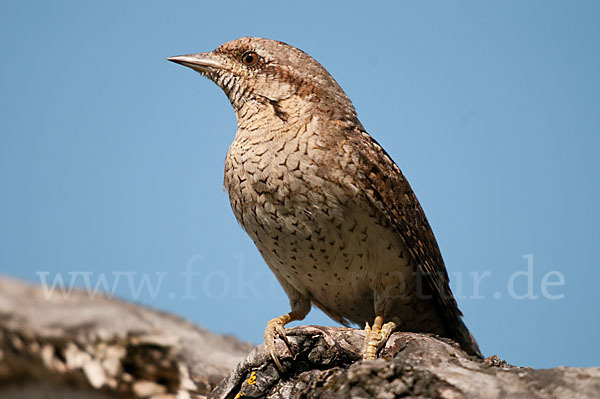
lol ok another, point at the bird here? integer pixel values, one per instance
(331, 213)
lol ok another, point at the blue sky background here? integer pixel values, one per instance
(111, 158)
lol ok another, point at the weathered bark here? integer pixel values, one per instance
(410, 366)
(102, 348)
(80, 347)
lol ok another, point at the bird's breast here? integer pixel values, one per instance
(277, 184)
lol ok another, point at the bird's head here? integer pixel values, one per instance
(270, 76)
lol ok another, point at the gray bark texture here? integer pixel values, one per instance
(104, 348)
(79, 347)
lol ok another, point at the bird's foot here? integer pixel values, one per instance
(376, 336)
(275, 327)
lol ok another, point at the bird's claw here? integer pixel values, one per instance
(376, 336)
(275, 328)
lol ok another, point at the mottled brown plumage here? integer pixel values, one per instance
(328, 209)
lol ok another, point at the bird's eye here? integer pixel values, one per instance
(250, 58)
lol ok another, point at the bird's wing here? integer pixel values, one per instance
(389, 191)
(377, 176)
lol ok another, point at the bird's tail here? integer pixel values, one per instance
(467, 342)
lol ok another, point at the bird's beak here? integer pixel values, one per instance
(199, 62)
